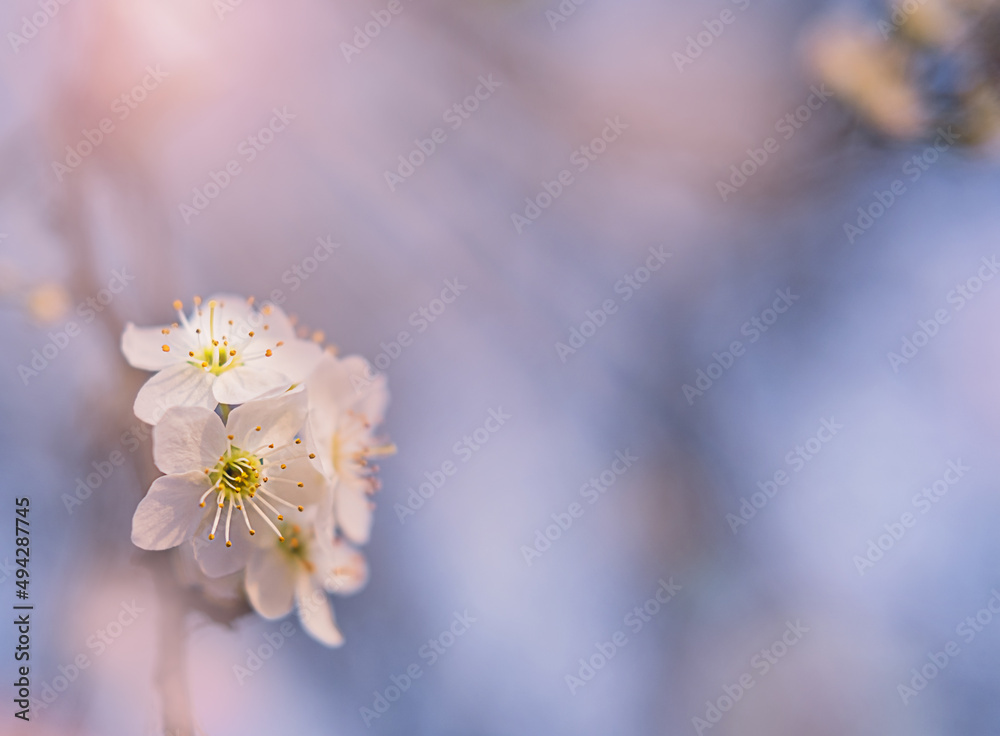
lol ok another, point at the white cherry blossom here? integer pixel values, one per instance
(299, 573)
(223, 352)
(256, 467)
(346, 404)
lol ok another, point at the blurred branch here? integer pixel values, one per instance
(177, 601)
(171, 667)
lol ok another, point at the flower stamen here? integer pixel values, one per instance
(229, 518)
(264, 501)
(247, 519)
(266, 520)
(218, 513)
(238, 477)
(267, 493)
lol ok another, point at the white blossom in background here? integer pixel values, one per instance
(346, 405)
(915, 68)
(299, 573)
(225, 351)
(870, 75)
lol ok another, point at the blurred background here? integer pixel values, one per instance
(619, 193)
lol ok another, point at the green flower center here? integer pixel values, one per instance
(239, 480)
(236, 473)
(296, 548)
(216, 359)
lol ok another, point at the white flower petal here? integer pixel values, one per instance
(170, 512)
(347, 569)
(270, 582)
(188, 438)
(247, 383)
(374, 400)
(353, 511)
(215, 323)
(296, 359)
(314, 484)
(228, 307)
(280, 327)
(280, 419)
(320, 429)
(369, 389)
(215, 558)
(179, 385)
(332, 383)
(143, 347)
(315, 612)
(339, 384)
(325, 522)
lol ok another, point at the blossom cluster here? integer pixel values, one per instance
(265, 441)
(921, 66)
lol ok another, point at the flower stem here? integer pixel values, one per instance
(224, 409)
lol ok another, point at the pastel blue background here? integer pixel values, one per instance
(663, 519)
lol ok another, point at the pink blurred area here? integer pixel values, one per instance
(241, 138)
